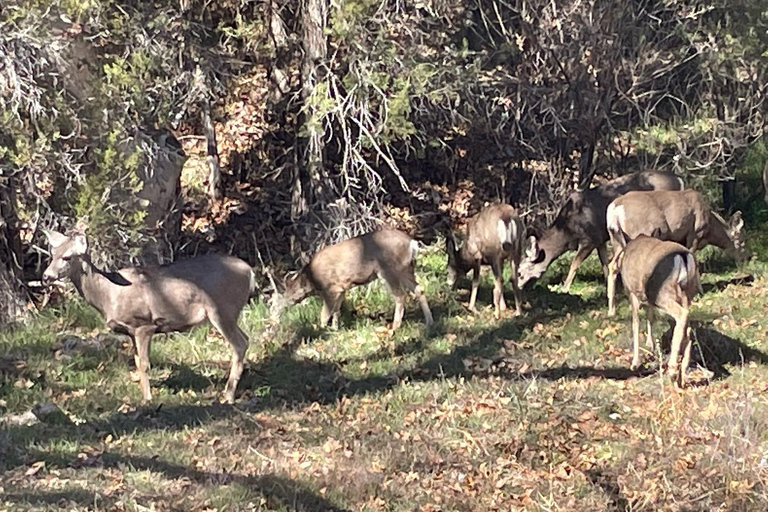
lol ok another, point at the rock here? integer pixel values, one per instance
(48, 412)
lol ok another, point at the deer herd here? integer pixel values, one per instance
(655, 227)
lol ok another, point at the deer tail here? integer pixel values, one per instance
(252, 284)
(687, 273)
(413, 250)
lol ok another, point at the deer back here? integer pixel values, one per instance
(353, 262)
(657, 271)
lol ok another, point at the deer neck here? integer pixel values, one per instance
(554, 243)
(90, 282)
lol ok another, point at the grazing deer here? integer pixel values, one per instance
(662, 275)
(388, 254)
(493, 236)
(678, 216)
(580, 224)
(143, 301)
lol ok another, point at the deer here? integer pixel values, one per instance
(388, 254)
(144, 301)
(580, 225)
(664, 275)
(678, 216)
(493, 236)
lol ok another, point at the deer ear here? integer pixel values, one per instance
(79, 244)
(737, 223)
(55, 238)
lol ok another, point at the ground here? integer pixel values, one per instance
(539, 412)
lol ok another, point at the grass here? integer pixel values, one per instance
(535, 413)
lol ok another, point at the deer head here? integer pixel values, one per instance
(295, 287)
(65, 251)
(534, 264)
(453, 268)
(736, 233)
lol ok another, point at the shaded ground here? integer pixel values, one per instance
(533, 413)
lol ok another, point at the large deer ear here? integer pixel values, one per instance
(55, 238)
(79, 244)
(737, 223)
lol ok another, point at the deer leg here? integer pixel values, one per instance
(650, 342)
(680, 314)
(336, 310)
(238, 340)
(582, 254)
(422, 298)
(635, 305)
(602, 253)
(142, 339)
(686, 357)
(475, 285)
(498, 289)
(329, 307)
(613, 273)
(399, 311)
(516, 288)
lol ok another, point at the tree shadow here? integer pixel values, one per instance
(617, 502)
(278, 491)
(722, 284)
(63, 499)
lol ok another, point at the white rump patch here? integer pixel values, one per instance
(616, 218)
(414, 249)
(506, 233)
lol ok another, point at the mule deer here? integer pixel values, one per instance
(580, 224)
(678, 216)
(662, 275)
(493, 236)
(388, 254)
(143, 301)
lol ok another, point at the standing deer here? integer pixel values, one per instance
(660, 275)
(493, 236)
(678, 216)
(580, 224)
(143, 301)
(388, 254)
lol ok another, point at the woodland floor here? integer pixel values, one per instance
(539, 412)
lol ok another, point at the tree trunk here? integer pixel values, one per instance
(314, 14)
(12, 293)
(214, 171)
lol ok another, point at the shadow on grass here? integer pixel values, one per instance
(714, 350)
(278, 491)
(610, 486)
(722, 284)
(63, 499)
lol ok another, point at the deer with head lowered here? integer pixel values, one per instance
(493, 236)
(388, 254)
(678, 216)
(580, 224)
(144, 301)
(662, 275)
